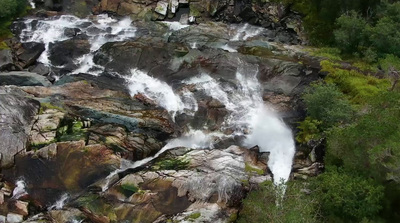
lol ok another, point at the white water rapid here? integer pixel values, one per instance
(59, 204)
(100, 30)
(248, 113)
(20, 189)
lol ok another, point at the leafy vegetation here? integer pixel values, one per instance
(128, 189)
(261, 205)
(327, 104)
(9, 10)
(347, 198)
(172, 164)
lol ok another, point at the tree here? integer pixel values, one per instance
(297, 206)
(385, 35)
(371, 145)
(327, 104)
(349, 35)
(347, 198)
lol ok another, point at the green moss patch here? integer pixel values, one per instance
(172, 164)
(250, 168)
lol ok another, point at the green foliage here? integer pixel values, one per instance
(194, 216)
(249, 168)
(385, 35)
(389, 61)
(309, 130)
(327, 52)
(326, 104)
(172, 164)
(44, 106)
(361, 88)
(10, 9)
(128, 189)
(261, 205)
(347, 197)
(349, 35)
(371, 145)
(71, 130)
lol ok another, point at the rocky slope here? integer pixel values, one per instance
(69, 142)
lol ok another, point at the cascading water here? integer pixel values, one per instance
(248, 113)
(99, 31)
(20, 189)
(162, 93)
(59, 204)
(244, 31)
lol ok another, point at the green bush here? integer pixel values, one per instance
(325, 103)
(172, 164)
(371, 145)
(261, 205)
(309, 130)
(350, 34)
(9, 10)
(347, 198)
(359, 87)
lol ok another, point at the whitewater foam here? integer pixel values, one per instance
(100, 30)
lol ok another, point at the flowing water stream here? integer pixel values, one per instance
(248, 115)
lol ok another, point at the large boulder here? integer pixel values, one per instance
(28, 53)
(183, 183)
(63, 53)
(16, 119)
(87, 100)
(21, 78)
(6, 59)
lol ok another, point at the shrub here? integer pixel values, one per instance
(370, 146)
(261, 205)
(349, 35)
(347, 197)
(361, 88)
(325, 103)
(309, 130)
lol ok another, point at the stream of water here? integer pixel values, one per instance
(248, 115)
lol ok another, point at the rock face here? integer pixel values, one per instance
(16, 119)
(184, 182)
(28, 53)
(66, 138)
(23, 79)
(273, 16)
(6, 60)
(107, 106)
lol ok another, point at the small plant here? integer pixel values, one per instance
(193, 216)
(309, 130)
(172, 164)
(249, 168)
(128, 189)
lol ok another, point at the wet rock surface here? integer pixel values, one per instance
(21, 78)
(66, 139)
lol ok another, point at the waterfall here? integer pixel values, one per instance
(100, 30)
(247, 113)
(162, 93)
(244, 32)
(20, 189)
(59, 204)
(194, 139)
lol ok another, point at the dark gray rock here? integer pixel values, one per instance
(23, 79)
(28, 53)
(16, 120)
(6, 60)
(40, 69)
(63, 53)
